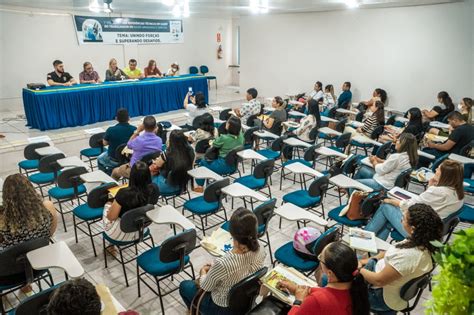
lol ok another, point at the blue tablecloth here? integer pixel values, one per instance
(58, 107)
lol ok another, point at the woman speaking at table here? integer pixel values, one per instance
(114, 73)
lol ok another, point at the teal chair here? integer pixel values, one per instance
(204, 70)
(31, 162)
(310, 198)
(48, 171)
(193, 70)
(96, 148)
(259, 179)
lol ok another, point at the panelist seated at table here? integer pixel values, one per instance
(342, 283)
(114, 73)
(132, 71)
(251, 108)
(59, 77)
(152, 71)
(75, 297)
(89, 75)
(173, 70)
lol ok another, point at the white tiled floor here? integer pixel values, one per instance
(70, 140)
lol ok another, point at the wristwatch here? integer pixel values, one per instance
(297, 302)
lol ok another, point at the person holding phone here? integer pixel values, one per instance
(195, 108)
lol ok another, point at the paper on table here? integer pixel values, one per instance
(105, 297)
(362, 240)
(114, 190)
(219, 243)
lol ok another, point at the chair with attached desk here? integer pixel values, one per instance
(413, 289)
(133, 221)
(365, 146)
(260, 177)
(149, 157)
(384, 150)
(288, 256)
(309, 199)
(340, 126)
(274, 151)
(32, 159)
(48, 171)
(91, 212)
(165, 261)
(249, 137)
(96, 148)
(414, 180)
(69, 188)
(309, 159)
(270, 305)
(35, 304)
(16, 271)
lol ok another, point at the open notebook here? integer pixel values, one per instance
(362, 240)
(219, 243)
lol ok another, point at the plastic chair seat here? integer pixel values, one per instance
(467, 214)
(86, 213)
(269, 154)
(251, 182)
(123, 243)
(211, 77)
(200, 206)
(361, 145)
(150, 262)
(41, 178)
(29, 164)
(91, 152)
(303, 161)
(287, 255)
(63, 193)
(301, 198)
(334, 214)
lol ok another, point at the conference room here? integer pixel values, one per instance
(236, 157)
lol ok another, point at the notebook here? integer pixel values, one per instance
(362, 240)
(400, 194)
(219, 243)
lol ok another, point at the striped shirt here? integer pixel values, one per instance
(369, 125)
(227, 271)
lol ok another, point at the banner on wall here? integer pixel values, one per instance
(120, 30)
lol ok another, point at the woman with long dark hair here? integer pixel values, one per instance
(440, 111)
(309, 122)
(414, 126)
(389, 271)
(174, 164)
(195, 108)
(345, 292)
(375, 119)
(152, 71)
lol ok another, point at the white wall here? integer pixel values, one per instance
(30, 42)
(411, 52)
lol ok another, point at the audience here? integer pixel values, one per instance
(205, 130)
(445, 194)
(89, 75)
(274, 122)
(309, 122)
(345, 292)
(141, 144)
(132, 71)
(440, 111)
(465, 108)
(115, 136)
(217, 278)
(376, 119)
(196, 108)
(152, 71)
(317, 93)
(251, 108)
(114, 73)
(173, 164)
(59, 77)
(140, 192)
(75, 297)
(344, 100)
(414, 126)
(173, 70)
(387, 272)
(462, 135)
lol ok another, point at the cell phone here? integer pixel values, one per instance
(401, 195)
(190, 91)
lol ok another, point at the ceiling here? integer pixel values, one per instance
(212, 8)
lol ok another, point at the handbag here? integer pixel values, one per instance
(196, 302)
(354, 209)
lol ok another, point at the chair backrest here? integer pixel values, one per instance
(332, 112)
(232, 158)
(149, 157)
(204, 69)
(371, 203)
(403, 178)
(359, 116)
(222, 129)
(384, 150)
(70, 178)
(251, 120)
(318, 187)
(350, 166)
(30, 150)
(343, 140)
(391, 120)
(450, 223)
(438, 162)
(135, 220)
(48, 163)
(225, 114)
(98, 197)
(249, 137)
(13, 260)
(277, 144)
(243, 294)
(213, 191)
(264, 169)
(340, 126)
(96, 140)
(310, 154)
(36, 304)
(327, 237)
(193, 70)
(377, 132)
(414, 288)
(264, 213)
(202, 146)
(118, 156)
(313, 133)
(175, 248)
(466, 150)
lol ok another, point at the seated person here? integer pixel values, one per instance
(115, 136)
(316, 94)
(173, 164)
(344, 100)
(465, 108)
(440, 111)
(75, 297)
(329, 99)
(387, 171)
(173, 70)
(414, 126)
(377, 95)
(338, 262)
(461, 136)
(309, 122)
(59, 77)
(132, 71)
(387, 272)
(141, 144)
(24, 216)
(445, 194)
(377, 118)
(218, 278)
(277, 117)
(89, 75)
(197, 107)
(251, 108)
(206, 129)
(140, 192)
(152, 70)
(114, 73)
(225, 143)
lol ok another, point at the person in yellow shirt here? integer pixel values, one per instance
(132, 71)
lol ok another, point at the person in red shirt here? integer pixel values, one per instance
(345, 293)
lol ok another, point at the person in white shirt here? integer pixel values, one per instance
(316, 94)
(329, 98)
(445, 194)
(174, 70)
(251, 108)
(196, 108)
(387, 171)
(389, 271)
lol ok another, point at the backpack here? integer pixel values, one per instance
(304, 241)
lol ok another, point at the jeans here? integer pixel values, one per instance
(188, 289)
(164, 187)
(219, 166)
(105, 163)
(424, 161)
(376, 301)
(386, 218)
(364, 172)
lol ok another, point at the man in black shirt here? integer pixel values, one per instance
(462, 135)
(59, 77)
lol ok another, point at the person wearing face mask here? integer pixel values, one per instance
(345, 292)
(174, 70)
(59, 77)
(89, 75)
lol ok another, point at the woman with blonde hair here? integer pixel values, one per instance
(113, 73)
